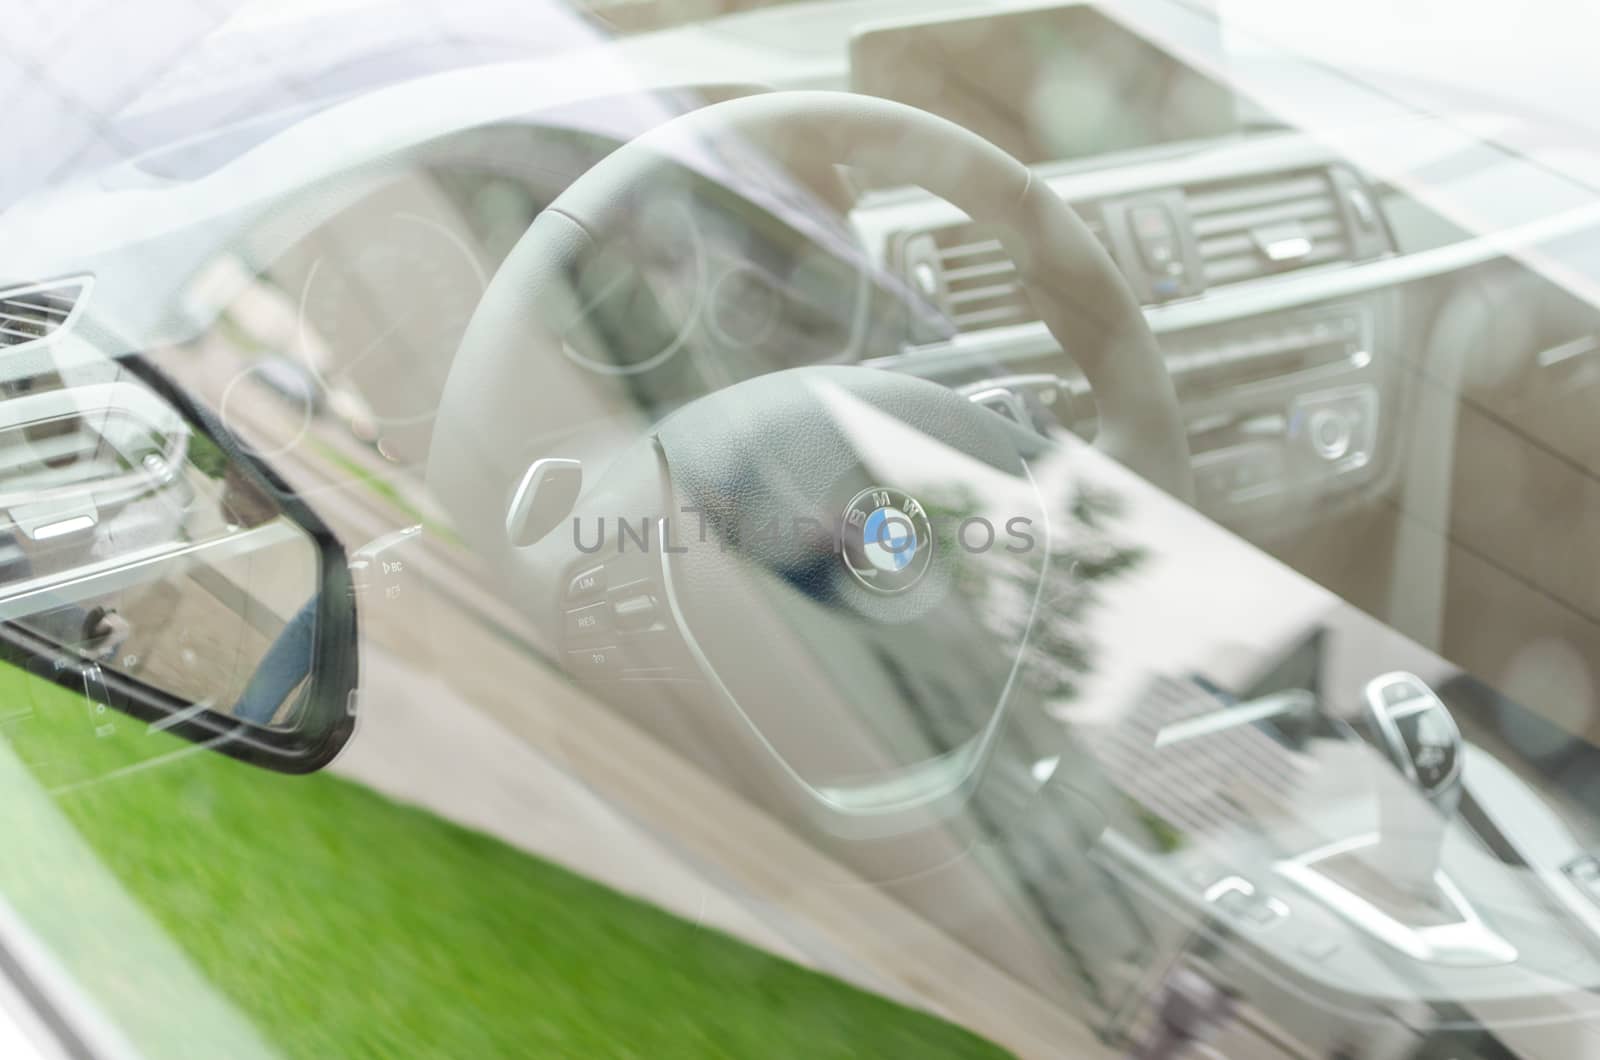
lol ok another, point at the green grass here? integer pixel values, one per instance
(344, 924)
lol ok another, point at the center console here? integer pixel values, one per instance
(1343, 869)
(1284, 410)
(1287, 409)
(1200, 200)
(1329, 867)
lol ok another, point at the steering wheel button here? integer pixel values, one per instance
(594, 662)
(636, 612)
(587, 585)
(588, 621)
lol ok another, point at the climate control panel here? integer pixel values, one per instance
(1281, 410)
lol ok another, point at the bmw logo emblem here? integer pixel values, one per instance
(887, 540)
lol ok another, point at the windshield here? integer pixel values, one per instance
(635, 16)
(761, 528)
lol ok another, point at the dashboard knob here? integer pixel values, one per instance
(1330, 432)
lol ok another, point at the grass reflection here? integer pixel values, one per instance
(344, 924)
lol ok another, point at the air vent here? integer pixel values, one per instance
(1246, 229)
(1205, 236)
(964, 269)
(111, 441)
(28, 314)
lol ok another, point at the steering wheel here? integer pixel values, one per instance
(842, 567)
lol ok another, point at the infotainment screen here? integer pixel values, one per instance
(1053, 83)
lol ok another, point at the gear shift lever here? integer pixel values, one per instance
(1392, 888)
(1417, 733)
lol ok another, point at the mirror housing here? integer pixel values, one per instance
(154, 564)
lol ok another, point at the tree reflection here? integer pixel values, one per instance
(1077, 556)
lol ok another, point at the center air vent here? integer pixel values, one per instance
(964, 270)
(1175, 242)
(28, 314)
(1247, 229)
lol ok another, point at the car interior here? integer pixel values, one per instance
(1292, 378)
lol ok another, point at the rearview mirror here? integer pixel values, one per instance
(151, 563)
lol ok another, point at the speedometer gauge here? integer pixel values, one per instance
(641, 297)
(383, 318)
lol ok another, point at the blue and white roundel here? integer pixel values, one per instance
(889, 540)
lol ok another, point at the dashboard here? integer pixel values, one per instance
(367, 303)
(1269, 261)
(1284, 406)
(1205, 206)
